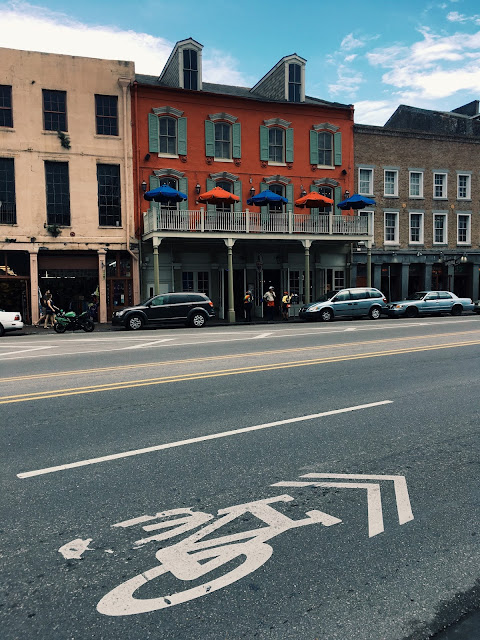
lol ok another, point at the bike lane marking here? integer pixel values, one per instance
(212, 436)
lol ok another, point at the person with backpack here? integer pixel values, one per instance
(269, 298)
(247, 306)
(286, 299)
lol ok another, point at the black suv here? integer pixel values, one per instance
(193, 309)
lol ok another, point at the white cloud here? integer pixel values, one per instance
(454, 16)
(348, 81)
(38, 29)
(350, 42)
(375, 112)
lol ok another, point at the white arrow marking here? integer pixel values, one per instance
(352, 329)
(75, 548)
(262, 335)
(148, 344)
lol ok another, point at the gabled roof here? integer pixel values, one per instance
(280, 63)
(181, 44)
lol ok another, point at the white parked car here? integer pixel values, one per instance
(10, 321)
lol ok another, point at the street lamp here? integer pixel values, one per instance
(198, 188)
(144, 186)
(252, 191)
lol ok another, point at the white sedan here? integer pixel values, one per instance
(10, 321)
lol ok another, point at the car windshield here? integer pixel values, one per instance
(327, 296)
(419, 295)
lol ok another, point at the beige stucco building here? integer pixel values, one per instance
(66, 201)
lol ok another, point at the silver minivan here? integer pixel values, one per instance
(346, 303)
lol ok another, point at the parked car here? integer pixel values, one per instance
(429, 302)
(355, 302)
(10, 321)
(192, 309)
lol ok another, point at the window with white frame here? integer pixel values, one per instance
(223, 140)
(325, 148)
(368, 215)
(416, 228)
(276, 138)
(196, 281)
(463, 228)
(463, 186)
(391, 227)
(167, 136)
(390, 182)
(439, 185)
(415, 184)
(440, 228)
(365, 181)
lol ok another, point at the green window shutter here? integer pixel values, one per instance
(337, 146)
(183, 187)
(313, 147)
(182, 137)
(209, 139)
(237, 190)
(264, 143)
(210, 184)
(237, 140)
(154, 182)
(337, 197)
(289, 196)
(264, 209)
(315, 188)
(288, 145)
(153, 142)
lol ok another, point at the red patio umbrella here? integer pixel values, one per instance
(217, 195)
(313, 200)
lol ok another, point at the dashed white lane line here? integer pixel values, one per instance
(212, 436)
(148, 344)
(10, 353)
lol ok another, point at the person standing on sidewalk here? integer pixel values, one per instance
(269, 297)
(286, 299)
(247, 306)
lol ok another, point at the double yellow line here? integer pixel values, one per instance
(114, 386)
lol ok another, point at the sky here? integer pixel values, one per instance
(375, 54)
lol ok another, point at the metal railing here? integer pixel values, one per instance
(246, 222)
(8, 213)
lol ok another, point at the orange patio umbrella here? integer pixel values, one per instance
(313, 200)
(217, 195)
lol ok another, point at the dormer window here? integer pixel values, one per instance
(190, 69)
(294, 83)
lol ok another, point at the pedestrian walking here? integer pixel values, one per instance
(286, 300)
(50, 310)
(43, 308)
(247, 306)
(269, 298)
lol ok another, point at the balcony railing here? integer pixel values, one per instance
(8, 213)
(252, 222)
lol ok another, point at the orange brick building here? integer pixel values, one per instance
(195, 135)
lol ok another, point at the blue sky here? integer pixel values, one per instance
(376, 54)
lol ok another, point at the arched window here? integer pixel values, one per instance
(277, 207)
(223, 140)
(227, 186)
(325, 148)
(167, 135)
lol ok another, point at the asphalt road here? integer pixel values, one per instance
(274, 482)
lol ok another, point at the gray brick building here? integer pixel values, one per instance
(423, 170)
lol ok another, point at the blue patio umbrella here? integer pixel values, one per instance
(265, 197)
(355, 202)
(164, 194)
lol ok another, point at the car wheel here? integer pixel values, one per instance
(2, 330)
(197, 320)
(134, 323)
(59, 328)
(88, 326)
(374, 313)
(456, 310)
(326, 315)
(411, 312)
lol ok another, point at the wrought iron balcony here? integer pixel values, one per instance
(249, 222)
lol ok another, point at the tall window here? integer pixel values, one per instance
(416, 184)
(391, 227)
(276, 137)
(391, 183)
(440, 228)
(190, 69)
(365, 181)
(7, 191)
(223, 140)
(58, 193)
(463, 186)
(277, 207)
(106, 115)
(167, 135)
(54, 110)
(325, 147)
(439, 185)
(463, 229)
(109, 207)
(416, 228)
(6, 117)
(328, 193)
(294, 82)
(227, 186)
